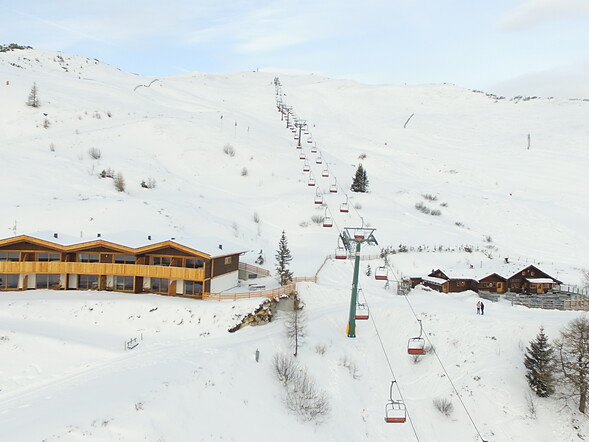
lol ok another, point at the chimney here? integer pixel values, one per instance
(98, 235)
(149, 237)
(220, 246)
(506, 260)
(55, 235)
(173, 239)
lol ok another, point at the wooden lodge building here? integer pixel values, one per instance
(507, 278)
(164, 267)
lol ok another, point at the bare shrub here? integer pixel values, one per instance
(320, 349)
(444, 204)
(229, 150)
(350, 364)
(244, 171)
(46, 123)
(149, 184)
(459, 224)
(119, 182)
(531, 403)
(317, 219)
(94, 153)
(303, 224)
(488, 239)
(444, 406)
(429, 197)
(362, 156)
(286, 367)
(107, 173)
(304, 398)
(435, 212)
(256, 218)
(109, 114)
(422, 208)
(357, 206)
(52, 147)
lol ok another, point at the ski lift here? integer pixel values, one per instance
(314, 149)
(416, 346)
(333, 187)
(344, 207)
(306, 167)
(302, 156)
(395, 411)
(325, 172)
(298, 146)
(381, 273)
(362, 311)
(341, 253)
(327, 220)
(318, 197)
(310, 140)
(311, 182)
(319, 160)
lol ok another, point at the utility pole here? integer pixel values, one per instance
(287, 110)
(353, 238)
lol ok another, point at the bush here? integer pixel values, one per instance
(436, 212)
(94, 153)
(304, 398)
(286, 367)
(422, 208)
(429, 197)
(317, 219)
(149, 184)
(444, 406)
(119, 182)
(107, 173)
(229, 150)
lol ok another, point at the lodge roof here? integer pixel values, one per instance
(124, 242)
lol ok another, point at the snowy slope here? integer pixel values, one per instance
(186, 379)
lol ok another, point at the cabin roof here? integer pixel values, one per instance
(130, 242)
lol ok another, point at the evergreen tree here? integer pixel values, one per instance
(283, 259)
(33, 100)
(539, 361)
(360, 182)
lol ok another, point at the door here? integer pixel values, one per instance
(499, 287)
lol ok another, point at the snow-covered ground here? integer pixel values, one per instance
(65, 374)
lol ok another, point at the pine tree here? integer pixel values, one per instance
(360, 182)
(33, 100)
(539, 361)
(283, 259)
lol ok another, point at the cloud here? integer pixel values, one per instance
(532, 13)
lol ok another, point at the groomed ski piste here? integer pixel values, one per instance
(66, 372)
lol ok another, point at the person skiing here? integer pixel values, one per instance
(482, 308)
(479, 308)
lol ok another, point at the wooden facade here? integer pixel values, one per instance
(529, 280)
(165, 267)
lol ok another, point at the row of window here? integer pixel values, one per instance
(166, 261)
(90, 282)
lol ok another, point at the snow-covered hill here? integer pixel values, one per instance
(468, 152)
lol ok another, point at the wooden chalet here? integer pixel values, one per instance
(529, 279)
(165, 267)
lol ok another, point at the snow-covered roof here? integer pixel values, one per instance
(540, 280)
(434, 280)
(135, 240)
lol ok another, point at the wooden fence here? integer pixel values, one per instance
(271, 293)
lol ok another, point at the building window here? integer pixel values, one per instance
(47, 281)
(8, 282)
(124, 283)
(48, 257)
(161, 261)
(125, 259)
(460, 283)
(9, 256)
(87, 282)
(228, 260)
(159, 285)
(88, 257)
(194, 263)
(192, 287)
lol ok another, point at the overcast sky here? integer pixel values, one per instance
(507, 47)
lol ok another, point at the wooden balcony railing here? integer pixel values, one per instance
(85, 268)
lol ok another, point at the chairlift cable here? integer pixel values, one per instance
(446, 372)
